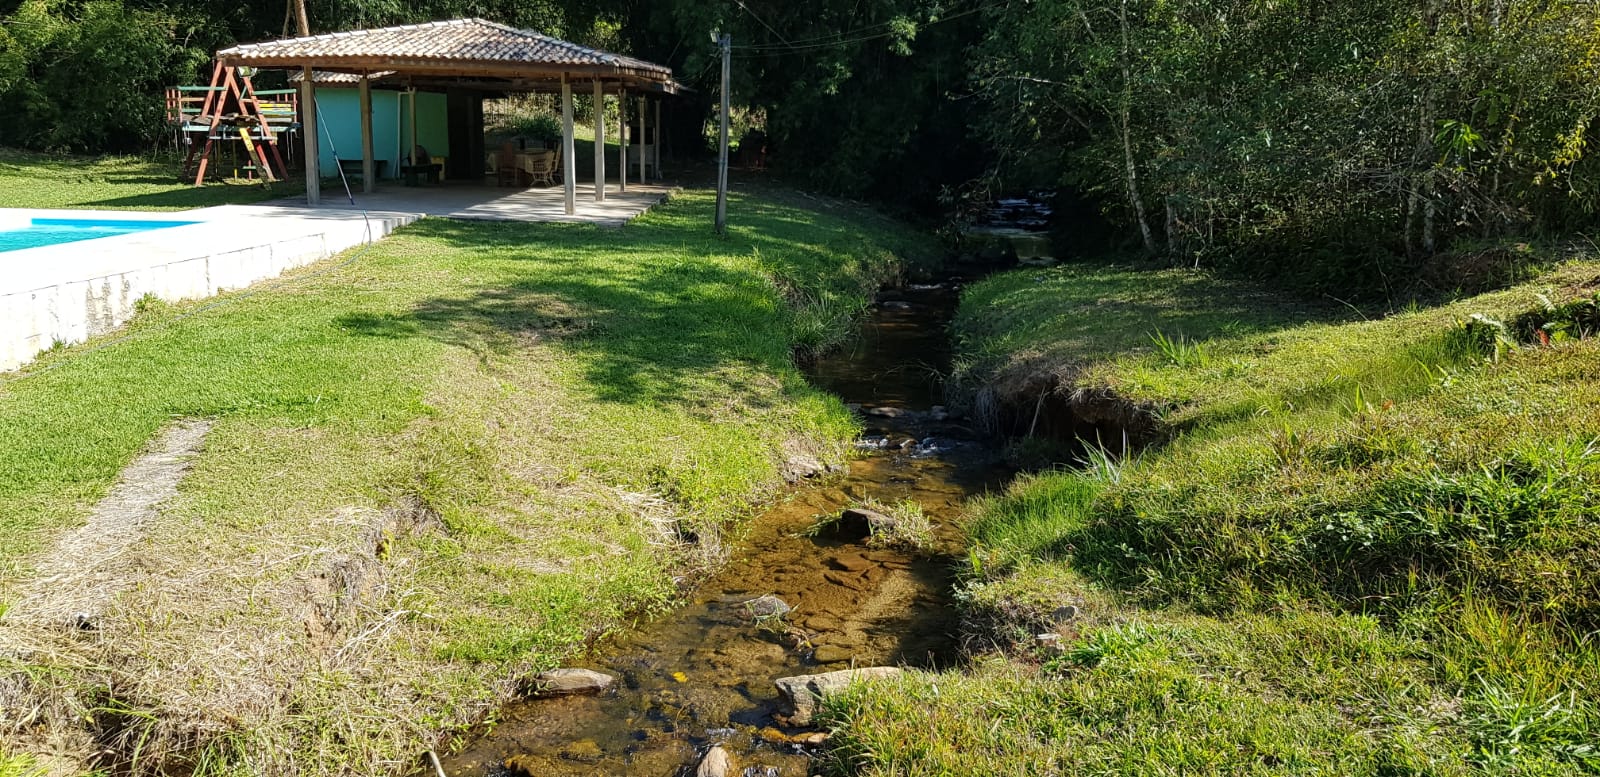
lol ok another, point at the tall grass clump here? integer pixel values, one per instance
(15, 765)
(1180, 350)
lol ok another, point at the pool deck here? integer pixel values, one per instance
(483, 202)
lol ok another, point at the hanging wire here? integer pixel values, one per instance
(840, 39)
(758, 18)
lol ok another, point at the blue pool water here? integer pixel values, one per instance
(49, 232)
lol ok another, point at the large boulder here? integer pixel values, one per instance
(803, 693)
(565, 682)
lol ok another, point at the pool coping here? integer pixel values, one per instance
(69, 292)
(215, 230)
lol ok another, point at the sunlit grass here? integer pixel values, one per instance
(1364, 547)
(32, 180)
(570, 402)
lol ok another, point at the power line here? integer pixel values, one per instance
(768, 49)
(769, 27)
(834, 37)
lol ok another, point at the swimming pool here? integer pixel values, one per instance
(48, 232)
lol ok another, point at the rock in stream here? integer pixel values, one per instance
(803, 693)
(716, 763)
(565, 682)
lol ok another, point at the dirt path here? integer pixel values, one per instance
(83, 572)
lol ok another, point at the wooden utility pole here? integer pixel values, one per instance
(308, 114)
(724, 42)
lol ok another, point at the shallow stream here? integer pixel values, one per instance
(704, 673)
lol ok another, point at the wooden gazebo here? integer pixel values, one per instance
(462, 55)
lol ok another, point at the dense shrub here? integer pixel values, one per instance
(88, 77)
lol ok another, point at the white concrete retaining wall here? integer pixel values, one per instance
(71, 292)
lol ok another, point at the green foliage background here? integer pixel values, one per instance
(1329, 144)
(1368, 135)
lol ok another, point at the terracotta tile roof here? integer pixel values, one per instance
(329, 77)
(467, 42)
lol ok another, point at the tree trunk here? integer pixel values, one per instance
(1174, 239)
(1135, 199)
(1420, 208)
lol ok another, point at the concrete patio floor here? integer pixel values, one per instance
(486, 202)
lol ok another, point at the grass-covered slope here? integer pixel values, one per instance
(1015, 326)
(435, 465)
(1368, 547)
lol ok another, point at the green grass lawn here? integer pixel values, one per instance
(30, 180)
(573, 415)
(1366, 547)
(1013, 325)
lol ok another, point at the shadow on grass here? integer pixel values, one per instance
(195, 196)
(46, 181)
(662, 311)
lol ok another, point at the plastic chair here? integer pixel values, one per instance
(542, 167)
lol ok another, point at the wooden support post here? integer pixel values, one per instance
(599, 141)
(656, 157)
(724, 42)
(643, 137)
(368, 165)
(411, 153)
(308, 137)
(308, 114)
(622, 140)
(569, 170)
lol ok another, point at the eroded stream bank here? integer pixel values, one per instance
(704, 673)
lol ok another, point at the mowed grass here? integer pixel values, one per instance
(574, 415)
(1013, 326)
(33, 180)
(1369, 547)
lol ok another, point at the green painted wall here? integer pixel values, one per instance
(341, 120)
(433, 131)
(391, 126)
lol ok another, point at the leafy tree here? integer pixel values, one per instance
(88, 76)
(857, 94)
(1359, 136)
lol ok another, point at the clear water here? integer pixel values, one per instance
(49, 232)
(704, 673)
